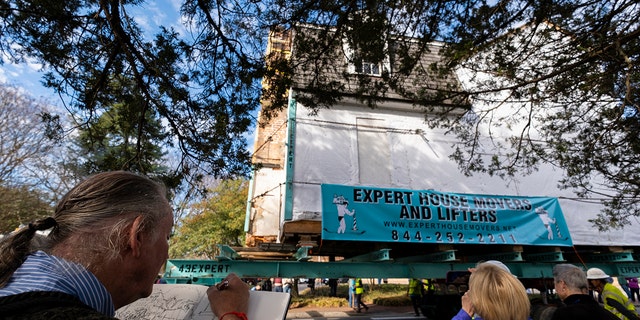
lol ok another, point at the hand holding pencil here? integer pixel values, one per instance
(229, 299)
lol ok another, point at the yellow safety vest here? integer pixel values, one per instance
(611, 292)
(428, 285)
(415, 287)
(359, 288)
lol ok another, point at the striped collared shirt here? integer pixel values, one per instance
(43, 272)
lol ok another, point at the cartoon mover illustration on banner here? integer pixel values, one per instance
(427, 216)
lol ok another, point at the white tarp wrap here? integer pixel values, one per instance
(348, 145)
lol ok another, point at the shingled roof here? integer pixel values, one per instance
(323, 64)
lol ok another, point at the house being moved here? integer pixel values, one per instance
(306, 159)
(374, 192)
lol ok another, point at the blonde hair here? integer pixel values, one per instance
(497, 295)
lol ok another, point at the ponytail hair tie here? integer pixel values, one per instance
(44, 224)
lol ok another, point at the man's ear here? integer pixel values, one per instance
(136, 237)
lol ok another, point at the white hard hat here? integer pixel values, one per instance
(596, 273)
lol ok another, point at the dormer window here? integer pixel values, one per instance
(365, 44)
(361, 66)
(369, 68)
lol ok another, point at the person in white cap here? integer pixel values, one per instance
(614, 300)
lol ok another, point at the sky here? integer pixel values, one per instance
(149, 16)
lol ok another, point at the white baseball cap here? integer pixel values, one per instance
(596, 273)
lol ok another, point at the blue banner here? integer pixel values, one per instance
(426, 216)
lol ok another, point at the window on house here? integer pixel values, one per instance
(369, 68)
(365, 67)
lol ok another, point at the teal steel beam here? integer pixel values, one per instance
(610, 257)
(515, 256)
(247, 213)
(620, 268)
(185, 269)
(200, 271)
(444, 256)
(542, 270)
(555, 256)
(290, 157)
(227, 253)
(628, 269)
(380, 255)
(302, 254)
(435, 270)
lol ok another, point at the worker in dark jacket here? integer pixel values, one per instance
(107, 241)
(572, 287)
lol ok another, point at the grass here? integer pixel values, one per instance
(382, 294)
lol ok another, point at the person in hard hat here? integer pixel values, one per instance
(572, 288)
(614, 300)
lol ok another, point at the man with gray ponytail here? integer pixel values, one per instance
(108, 238)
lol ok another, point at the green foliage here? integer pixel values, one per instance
(203, 94)
(20, 206)
(205, 86)
(118, 139)
(216, 220)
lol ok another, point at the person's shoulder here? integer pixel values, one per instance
(542, 311)
(583, 310)
(613, 289)
(46, 305)
(75, 313)
(461, 315)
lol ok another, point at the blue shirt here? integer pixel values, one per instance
(43, 272)
(463, 315)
